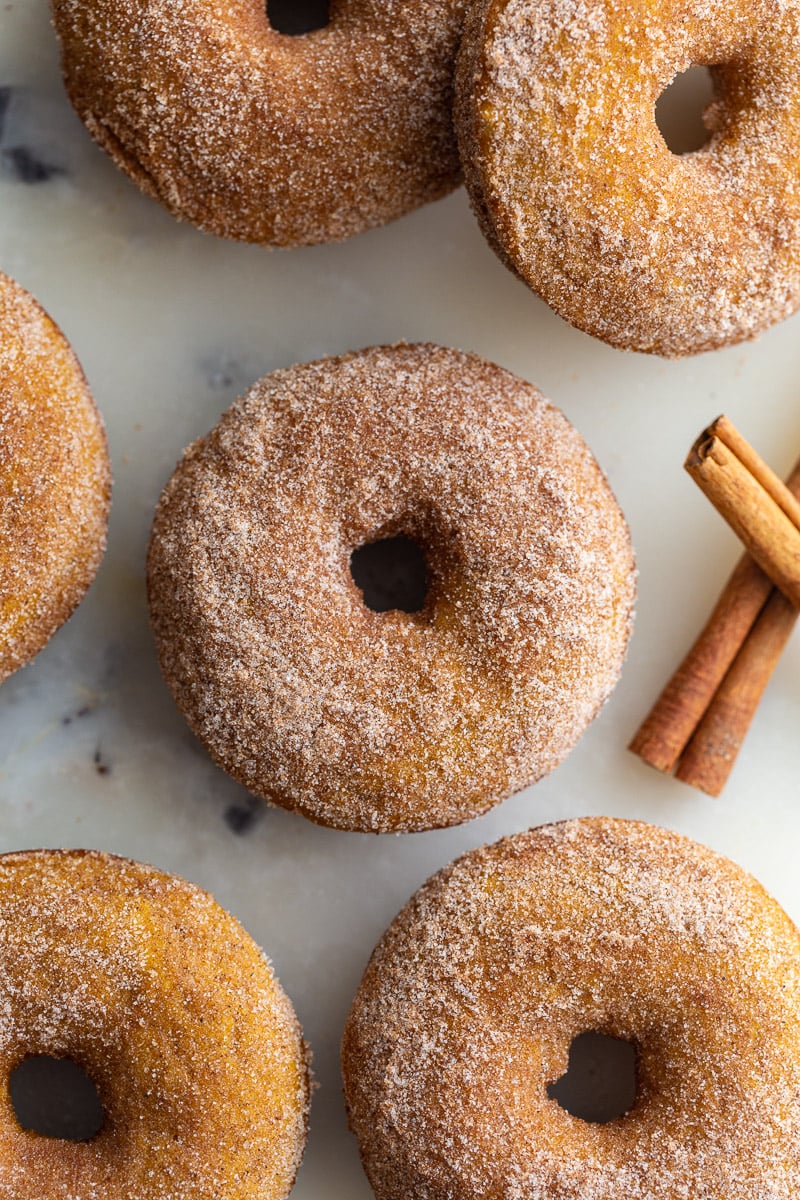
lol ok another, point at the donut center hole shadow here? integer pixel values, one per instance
(295, 17)
(391, 573)
(680, 108)
(600, 1081)
(56, 1098)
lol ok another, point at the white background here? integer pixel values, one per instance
(170, 326)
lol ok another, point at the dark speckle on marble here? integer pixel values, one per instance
(101, 764)
(222, 376)
(221, 371)
(85, 711)
(227, 375)
(24, 165)
(5, 100)
(240, 818)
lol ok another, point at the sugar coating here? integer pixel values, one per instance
(55, 479)
(471, 1000)
(390, 721)
(174, 1013)
(254, 135)
(578, 192)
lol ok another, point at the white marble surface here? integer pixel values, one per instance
(170, 325)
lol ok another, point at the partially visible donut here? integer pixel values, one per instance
(578, 193)
(173, 1012)
(255, 135)
(394, 720)
(55, 479)
(471, 1000)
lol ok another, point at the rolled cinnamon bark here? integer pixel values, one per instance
(765, 518)
(701, 717)
(709, 757)
(662, 738)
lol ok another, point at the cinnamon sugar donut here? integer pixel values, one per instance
(254, 135)
(470, 1002)
(578, 192)
(54, 479)
(173, 1012)
(393, 720)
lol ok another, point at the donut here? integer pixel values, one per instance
(577, 191)
(55, 479)
(175, 1015)
(255, 135)
(390, 721)
(469, 1005)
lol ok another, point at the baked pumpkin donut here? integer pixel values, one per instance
(55, 479)
(470, 1002)
(396, 720)
(578, 192)
(255, 135)
(173, 1012)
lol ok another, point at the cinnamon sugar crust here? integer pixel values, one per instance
(390, 721)
(578, 193)
(174, 1013)
(255, 135)
(471, 1000)
(55, 479)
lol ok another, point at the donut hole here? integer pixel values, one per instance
(680, 108)
(600, 1082)
(391, 573)
(295, 17)
(55, 1097)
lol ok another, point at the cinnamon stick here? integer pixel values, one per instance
(709, 757)
(665, 733)
(701, 717)
(782, 493)
(765, 518)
